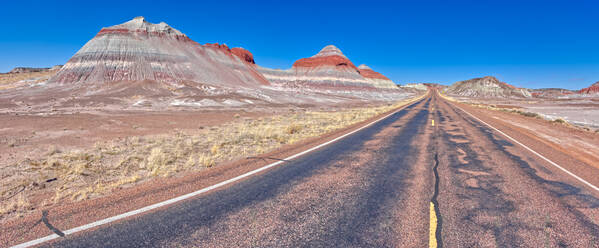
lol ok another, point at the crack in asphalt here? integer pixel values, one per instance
(436, 192)
(436, 203)
(50, 226)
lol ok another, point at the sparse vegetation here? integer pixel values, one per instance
(83, 174)
(560, 121)
(527, 114)
(18, 204)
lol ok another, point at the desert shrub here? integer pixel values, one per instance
(294, 128)
(560, 121)
(528, 114)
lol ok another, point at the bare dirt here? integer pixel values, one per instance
(26, 136)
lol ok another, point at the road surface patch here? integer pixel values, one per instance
(533, 152)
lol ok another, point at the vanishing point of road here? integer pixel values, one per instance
(429, 175)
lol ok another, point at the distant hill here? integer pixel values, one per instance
(550, 92)
(486, 87)
(593, 89)
(33, 69)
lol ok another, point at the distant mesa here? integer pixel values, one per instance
(593, 89)
(486, 87)
(435, 85)
(550, 92)
(34, 69)
(415, 86)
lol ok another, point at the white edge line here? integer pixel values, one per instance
(195, 193)
(531, 150)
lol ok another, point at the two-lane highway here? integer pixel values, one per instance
(427, 175)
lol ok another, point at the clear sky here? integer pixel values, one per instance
(531, 44)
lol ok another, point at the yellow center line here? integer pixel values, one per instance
(433, 123)
(432, 237)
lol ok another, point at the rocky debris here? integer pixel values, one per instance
(486, 87)
(550, 92)
(593, 89)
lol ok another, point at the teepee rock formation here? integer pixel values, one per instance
(329, 69)
(329, 56)
(139, 50)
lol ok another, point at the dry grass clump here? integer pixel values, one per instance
(81, 174)
(527, 114)
(560, 121)
(18, 204)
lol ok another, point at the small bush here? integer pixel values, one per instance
(560, 121)
(215, 149)
(528, 114)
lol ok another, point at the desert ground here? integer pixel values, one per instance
(582, 112)
(60, 155)
(480, 175)
(65, 160)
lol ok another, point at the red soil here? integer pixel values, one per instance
(222, 47)
(243, 54)
(368, 73)
(333, 60)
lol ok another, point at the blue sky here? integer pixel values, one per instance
(527, 43)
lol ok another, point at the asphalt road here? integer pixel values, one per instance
(427, 173)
